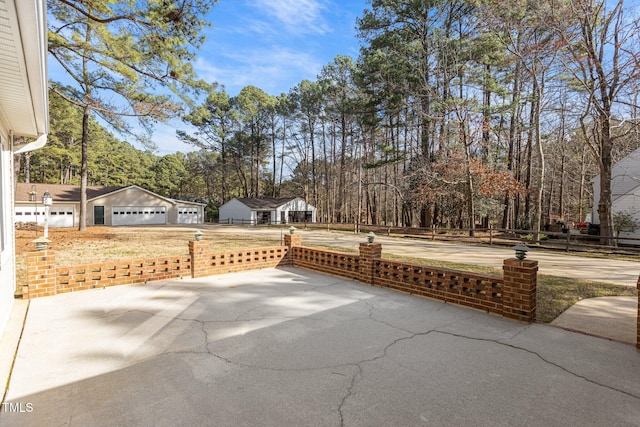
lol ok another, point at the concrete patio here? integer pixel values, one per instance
(287, 347)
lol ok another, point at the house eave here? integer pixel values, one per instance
(23, 70)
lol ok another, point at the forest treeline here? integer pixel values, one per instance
(456, 113)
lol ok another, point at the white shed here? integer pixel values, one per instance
(254, 211)
(625, 192)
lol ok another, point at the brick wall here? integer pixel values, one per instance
(124, 272)
(328, 262)
(513, 295)
(44, 278)
(477, 291)
(207, 263)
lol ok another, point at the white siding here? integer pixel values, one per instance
(629, 204)
(297, 205)
(625, 178)
(7, 245)
(235, 210)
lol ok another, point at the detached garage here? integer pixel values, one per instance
(115, 206)
(287, 210)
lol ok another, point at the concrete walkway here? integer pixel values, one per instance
(607, 317)
(286, 347)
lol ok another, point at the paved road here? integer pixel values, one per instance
(288, 347)
(555, 264)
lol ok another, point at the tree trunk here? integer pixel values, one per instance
(606, 165)
(84, 173)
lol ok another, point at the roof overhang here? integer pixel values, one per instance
(23, 70)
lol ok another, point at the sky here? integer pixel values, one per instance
(270, 44)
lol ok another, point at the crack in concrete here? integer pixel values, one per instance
(359, 374)
(349, 392)
(549, 362)
(520, 331)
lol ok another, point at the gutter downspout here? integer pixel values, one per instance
(38, 143)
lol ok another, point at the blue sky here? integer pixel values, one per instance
(271, 44)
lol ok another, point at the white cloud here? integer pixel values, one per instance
(297, 16)
(272, 70)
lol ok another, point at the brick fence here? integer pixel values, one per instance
(513, 295)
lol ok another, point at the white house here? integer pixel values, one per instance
(23, 112)
(111, 206)
(625, 192)
(267, 211)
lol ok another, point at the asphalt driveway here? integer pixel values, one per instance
(287, 347)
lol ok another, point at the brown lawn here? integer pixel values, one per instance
(102, 244)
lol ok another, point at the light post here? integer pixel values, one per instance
(47, 201)
(33, 198)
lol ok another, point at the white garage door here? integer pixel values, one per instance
(187, 215)
(59, 216)
(138, 215)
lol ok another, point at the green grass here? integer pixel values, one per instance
(554, 294)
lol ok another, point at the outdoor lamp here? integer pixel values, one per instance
(292, 230)
(41, 243)
(371, 237)
(521, 251)
(47, 200)
(198, 235)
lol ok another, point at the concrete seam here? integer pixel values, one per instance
(15, 354)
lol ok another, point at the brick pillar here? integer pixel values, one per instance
(198, 251)
(369, 252)
(41, 274)
(519, 289)
(638, 327)
(292, 241)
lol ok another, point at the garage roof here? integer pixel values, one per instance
(59, 192)
(62, 193)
